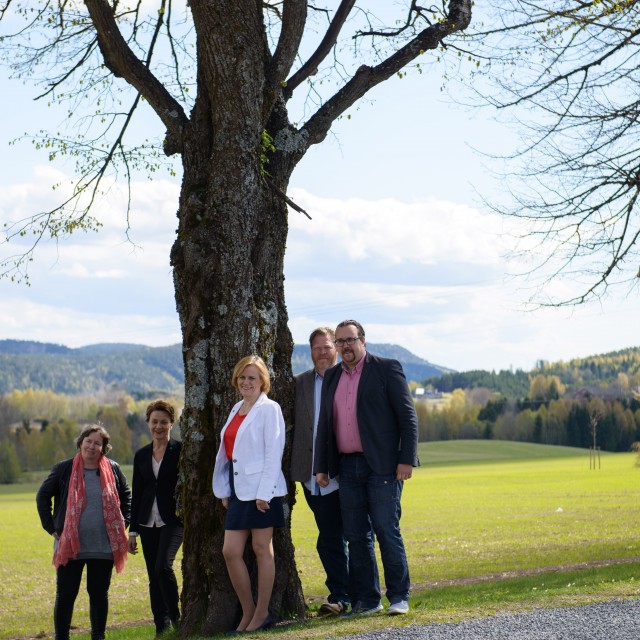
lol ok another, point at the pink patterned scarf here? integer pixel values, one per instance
(69, 543)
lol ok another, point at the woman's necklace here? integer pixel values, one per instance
(246, 407)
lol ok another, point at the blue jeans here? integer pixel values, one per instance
(369, 499)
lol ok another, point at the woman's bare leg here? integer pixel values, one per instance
(233, 552)
(263, 549)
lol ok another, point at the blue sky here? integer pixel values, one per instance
(398, 240)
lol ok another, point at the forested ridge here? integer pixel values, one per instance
(618, 368)
(584, 402)
(53, 390)
(135, 369)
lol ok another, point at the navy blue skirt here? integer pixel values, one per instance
(243, 514)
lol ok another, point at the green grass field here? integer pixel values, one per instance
(487, 526)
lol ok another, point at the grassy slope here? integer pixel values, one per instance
(477, 451)
(474, 510)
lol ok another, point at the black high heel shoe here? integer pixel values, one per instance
(267, 624)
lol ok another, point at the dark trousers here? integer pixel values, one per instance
(331, 544)
(333, 550)
(67, 586)
(159, 547)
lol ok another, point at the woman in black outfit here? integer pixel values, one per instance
(153, 513)
(91, 504)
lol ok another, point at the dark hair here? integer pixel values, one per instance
(258, 363)
(162, 405)
(355, 323)
(321, 331)
(95, 428)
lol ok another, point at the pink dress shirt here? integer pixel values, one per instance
(345, 410)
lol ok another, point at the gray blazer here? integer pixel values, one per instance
(302, 448)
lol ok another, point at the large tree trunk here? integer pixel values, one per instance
(231, 304)
(229, 286)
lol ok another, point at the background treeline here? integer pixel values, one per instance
(38, 428)
(616, 369)
(134, 369)
(558, 403)
(558, 408)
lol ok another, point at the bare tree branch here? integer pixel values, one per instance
(122, 62)
(367, 77)
(294, 16)
(567, 71)
(310, 67)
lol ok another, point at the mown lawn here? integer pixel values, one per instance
(475, 512)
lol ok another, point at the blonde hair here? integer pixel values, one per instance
(258, 363)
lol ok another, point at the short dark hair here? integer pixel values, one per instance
(355, 323)
(321, 331)
(162, 405)
(95, 428)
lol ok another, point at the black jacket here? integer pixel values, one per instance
(146, 488)
(387, 419)
(56, 486)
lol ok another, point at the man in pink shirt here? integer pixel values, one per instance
(368, 436)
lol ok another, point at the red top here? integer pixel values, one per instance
(230, 434)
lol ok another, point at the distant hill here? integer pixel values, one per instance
(136, 369)
(415, 368)
(609, 374)
(23, 347)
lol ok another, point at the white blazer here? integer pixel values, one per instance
(257, 454)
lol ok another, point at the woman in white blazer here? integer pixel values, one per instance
(248, 479)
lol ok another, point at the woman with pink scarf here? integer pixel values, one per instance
(91, 508)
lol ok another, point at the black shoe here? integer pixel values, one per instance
(268, 622)
(360, 609)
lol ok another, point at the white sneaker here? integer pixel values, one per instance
(398, 608)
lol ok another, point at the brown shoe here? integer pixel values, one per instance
(331, 609)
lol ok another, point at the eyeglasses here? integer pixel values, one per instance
(349, 341)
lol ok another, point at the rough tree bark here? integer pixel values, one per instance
(229, 249)
(231, 305)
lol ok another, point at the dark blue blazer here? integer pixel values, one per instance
(146, 488)
(387, 418)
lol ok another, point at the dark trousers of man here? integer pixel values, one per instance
(366, 499)
(159, 547)
(68, 579)
(331, 544)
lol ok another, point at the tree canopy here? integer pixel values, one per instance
(567, 72)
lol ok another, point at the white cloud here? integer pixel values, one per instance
(86, 323)
(390, 231)
(427, 275)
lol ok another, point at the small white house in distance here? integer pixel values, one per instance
(420, 393)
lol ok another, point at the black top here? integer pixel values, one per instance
(146, 488)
